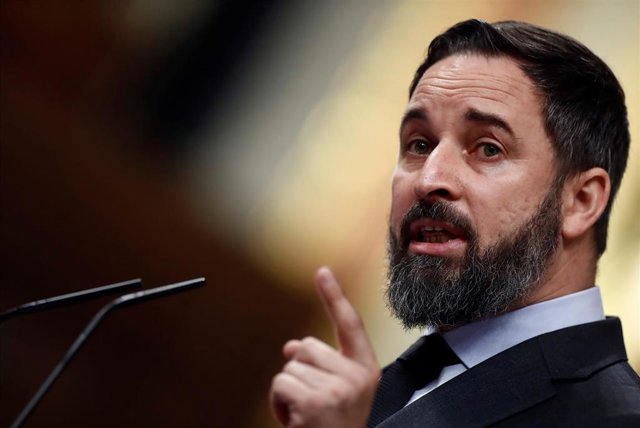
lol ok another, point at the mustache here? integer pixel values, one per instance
(440, 211)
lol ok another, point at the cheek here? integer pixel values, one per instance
(499, 215)
(402, 198)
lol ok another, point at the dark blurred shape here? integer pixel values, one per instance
(188, 84)
(85, 199)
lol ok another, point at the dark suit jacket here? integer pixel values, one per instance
(574, 377)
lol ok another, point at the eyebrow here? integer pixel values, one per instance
(474, 115)
(413, 114)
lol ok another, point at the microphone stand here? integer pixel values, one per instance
(125, 300)
(66, 299)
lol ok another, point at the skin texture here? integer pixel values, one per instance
(496, 191)
(473, 135)
(497, 177)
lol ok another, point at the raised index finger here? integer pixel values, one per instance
(352, 337)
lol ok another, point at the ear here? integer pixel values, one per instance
(585, 197)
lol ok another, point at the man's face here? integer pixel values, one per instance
(473, 213)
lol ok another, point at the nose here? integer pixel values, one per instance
(439, 176)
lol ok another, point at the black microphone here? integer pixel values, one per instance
(125, 300)
(66, 299)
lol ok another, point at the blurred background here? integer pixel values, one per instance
(246, 141)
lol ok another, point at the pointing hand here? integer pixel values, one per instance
(323, 387)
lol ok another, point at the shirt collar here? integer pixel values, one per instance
(478, 341)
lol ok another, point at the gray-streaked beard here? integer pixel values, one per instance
(431, 291)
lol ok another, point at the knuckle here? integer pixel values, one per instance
(309, 341)
(311, 348)
(290, 366)
(277, 381)
(352, 322)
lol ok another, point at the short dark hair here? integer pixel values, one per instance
(583, 102)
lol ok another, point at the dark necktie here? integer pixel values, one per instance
(417, 366)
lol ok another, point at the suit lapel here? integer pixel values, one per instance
(491, 391)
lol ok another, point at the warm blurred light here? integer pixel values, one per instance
(101, 104)
(313, 189)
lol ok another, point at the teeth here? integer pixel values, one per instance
(440, 239)
(432, 229)
(434, 234)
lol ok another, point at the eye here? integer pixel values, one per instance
(419, 147)
(490, 150)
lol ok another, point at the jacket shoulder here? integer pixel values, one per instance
(609, 397)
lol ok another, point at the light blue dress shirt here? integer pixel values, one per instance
(478, 341)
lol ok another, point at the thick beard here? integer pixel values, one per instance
(430, 291)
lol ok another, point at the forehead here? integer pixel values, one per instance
(495, 84)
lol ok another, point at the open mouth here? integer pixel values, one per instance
(435, 232)
(433, 235)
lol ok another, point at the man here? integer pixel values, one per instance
(512, 149)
